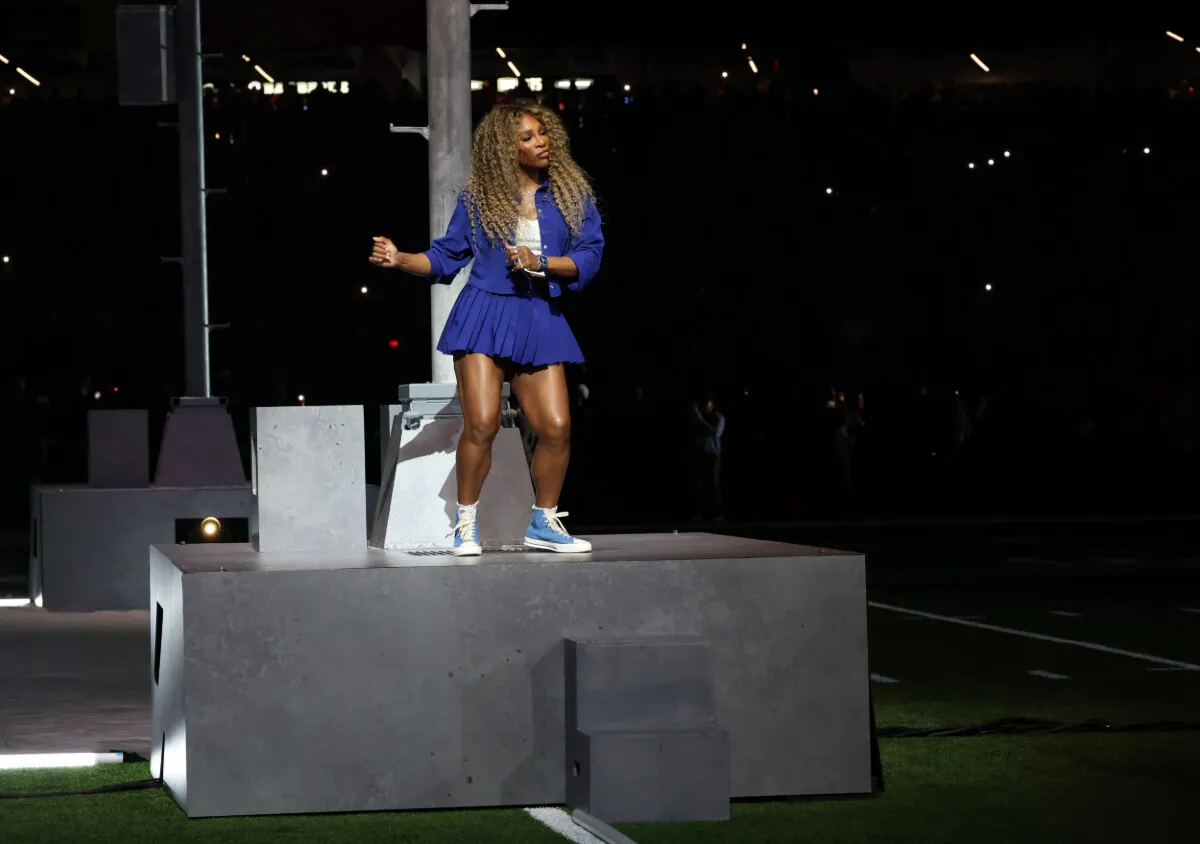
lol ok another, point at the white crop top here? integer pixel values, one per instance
(529, 234)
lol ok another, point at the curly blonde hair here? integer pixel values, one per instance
(492, 191)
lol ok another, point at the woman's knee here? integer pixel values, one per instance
(555, 428)
(481, 426)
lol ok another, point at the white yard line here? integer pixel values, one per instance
(879, 678)
(1041, 637)
(561, 822)
(1048, 675)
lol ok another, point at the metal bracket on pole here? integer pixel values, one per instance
(488, 7)
(423, 131)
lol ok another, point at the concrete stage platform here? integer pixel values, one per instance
(380, 680)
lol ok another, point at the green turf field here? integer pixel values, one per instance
(1113, 612)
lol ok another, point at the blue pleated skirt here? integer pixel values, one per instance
(524, 328)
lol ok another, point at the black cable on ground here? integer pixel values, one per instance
(137, 785)
(1037, 727)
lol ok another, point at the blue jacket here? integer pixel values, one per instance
(454, 250)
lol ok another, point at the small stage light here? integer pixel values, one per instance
(363, 291)
(991, 162)
(1007, 154)
(300, 398)
(324, 172)
(1146, 150)
(724, 74)
(971, 166)
(829, 191)
(96, 395)
(395, 344)
(211, 527)
(7, 259)
(626, 87)
(988, 288)
(816, 92)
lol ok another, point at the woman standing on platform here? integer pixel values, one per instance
(527, 216)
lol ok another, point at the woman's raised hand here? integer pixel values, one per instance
(384, 253)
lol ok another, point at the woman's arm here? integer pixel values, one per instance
(448, 254)
(583, 258)
(417, 264)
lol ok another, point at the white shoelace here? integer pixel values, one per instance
(465, 528)
(554, 522)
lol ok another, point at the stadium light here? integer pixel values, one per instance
(3, 60)
(1178, 38)
(501, 53)
(513, 68)
(25, 73)
(263, 73)
(979, 62)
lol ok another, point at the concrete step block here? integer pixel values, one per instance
(635, 776)
(309, 479)
(653, 683)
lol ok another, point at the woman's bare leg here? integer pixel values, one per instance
(479, 381)
(543, 395)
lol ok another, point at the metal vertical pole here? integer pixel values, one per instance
(192, 197)
(448, 31)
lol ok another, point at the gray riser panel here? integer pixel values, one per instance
(656, 683)
(628, 777)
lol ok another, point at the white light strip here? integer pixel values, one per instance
(501, 53)
(263, 73)
(25, 73)
(3, 60)
(25, 761)
(753, 66)
(977, 61)
(562, 84)
(513, 68)
(476, 84)
(583, 84)
(1171, 34)
(14, 602)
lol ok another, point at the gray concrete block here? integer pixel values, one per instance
(89, 548)
(118, 449)
(309, 479)
(631, 777)
(374, 680)
(659, 683)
